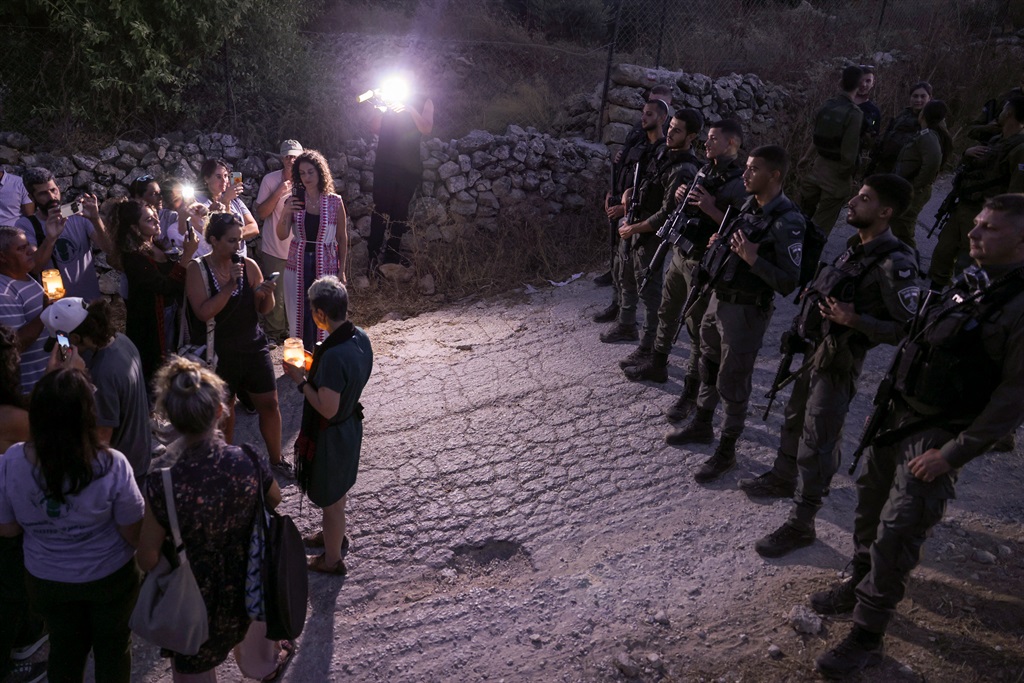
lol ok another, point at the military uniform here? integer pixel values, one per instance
(725, 181)
(900, 131)
(999, 171)
(631, 151)
(919, 163)
(880, 279)
(636, 252)
(959, 383)
(827, 186)
(733, 327)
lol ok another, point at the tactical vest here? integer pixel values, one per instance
(737, 276)
(700, 227)
(830, 127)
(944, 367)
(838, 280)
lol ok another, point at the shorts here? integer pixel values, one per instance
(252, 372)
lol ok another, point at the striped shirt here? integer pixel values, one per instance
(21, 302)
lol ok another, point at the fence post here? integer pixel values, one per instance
(608, 70)
(878, 31)
(661, 32)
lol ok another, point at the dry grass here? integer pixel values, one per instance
(481, 264)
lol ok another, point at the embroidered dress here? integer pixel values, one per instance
(324, 245)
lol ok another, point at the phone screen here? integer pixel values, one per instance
(64, 345)
(273, 276)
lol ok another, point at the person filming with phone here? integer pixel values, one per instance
(64, 235)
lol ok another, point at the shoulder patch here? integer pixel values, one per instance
(904, 273)
(909, 297)
(796, 252)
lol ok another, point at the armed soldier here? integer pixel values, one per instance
(643, 198)
(990, 170)
(760, 256)
(862, 299)
(680, 165)
(837, 131)
(957, 383)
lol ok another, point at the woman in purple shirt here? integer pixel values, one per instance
(78, 505)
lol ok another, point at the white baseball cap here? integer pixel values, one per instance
(64, 315)
(291, 148)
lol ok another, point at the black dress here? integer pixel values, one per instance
(152, 286)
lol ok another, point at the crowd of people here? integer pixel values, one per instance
(734, 241)
(90, 416)
(208, 297)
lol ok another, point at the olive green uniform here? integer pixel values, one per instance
(827, 186)
(998, 172)
(919, 163)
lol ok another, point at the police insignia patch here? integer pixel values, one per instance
(904, 274)
(796, 252)
(909, 297)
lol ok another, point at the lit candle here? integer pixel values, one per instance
(53, 286)
(294, 354)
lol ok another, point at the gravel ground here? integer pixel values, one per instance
(519, 518)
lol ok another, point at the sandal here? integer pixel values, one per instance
(317, 541)
(287, 649)
(319, 564)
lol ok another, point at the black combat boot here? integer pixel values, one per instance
(784, 540)
(654, 369)
(856, 652)
(640, 354)
(718, 464)
(604, 279)
(608, 315)
(687, 401)
(620, 333)
(699, 430)
(840, 598)
(768, 485)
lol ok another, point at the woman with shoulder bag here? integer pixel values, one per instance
(214, 489)
(228, 288)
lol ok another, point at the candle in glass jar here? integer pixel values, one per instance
(53, 286)
(294, 354)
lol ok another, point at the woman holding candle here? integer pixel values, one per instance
(230, 289)
(318, 224)
(155, 280)
(331, 436)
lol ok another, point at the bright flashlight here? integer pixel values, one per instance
(188, 193)
(394, 91)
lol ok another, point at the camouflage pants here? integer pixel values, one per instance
(678, 280)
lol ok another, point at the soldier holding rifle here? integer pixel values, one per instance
(957, 383)
(863, 298)
(758, 256)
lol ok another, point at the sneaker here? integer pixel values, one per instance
(784, 540)
(639, 355)
(697, 431)
(648, 370)
(284, 468)
(841, 598)
(21, 653)
(851, 655)
(718, 464)
(27, 672)
(620, 333)
(608, 315)
(604, 279)
(768, 485)
(246, 400)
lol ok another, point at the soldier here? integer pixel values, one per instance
(680, 165)
(864, 298)
(721, 187)
(837, 130)
(919, 162)
(901, 129)
(991, 169)
(767, 246)
(957, 386)
(635, 250)
(872, 125)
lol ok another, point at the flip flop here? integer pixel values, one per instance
(319, 564)
(288, 649)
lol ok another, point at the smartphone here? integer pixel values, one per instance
(188, 193)
(236, 179)
(63, 345)
(273, 276)
(69, 210)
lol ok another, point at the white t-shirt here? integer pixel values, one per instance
(12, 196)
(271, 244)
(238, 208)
(73, 254)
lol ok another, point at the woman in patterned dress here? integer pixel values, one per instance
(317, 222)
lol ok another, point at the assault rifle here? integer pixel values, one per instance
(717, 257)
(949, 203)
(634, 197)
(673, 232)
(792, 344)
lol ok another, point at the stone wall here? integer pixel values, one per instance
(467, 182)
(757, 105)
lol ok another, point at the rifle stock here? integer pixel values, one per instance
(703, 278)
(949, 204)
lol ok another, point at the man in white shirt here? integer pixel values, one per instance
(274, 191)
(14, 199)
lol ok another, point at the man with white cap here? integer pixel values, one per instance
(275, 189)
(122, 405)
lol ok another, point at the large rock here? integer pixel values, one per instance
(448, 169)
(9, 155)
(475, 140)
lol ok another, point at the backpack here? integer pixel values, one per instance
(830, 126)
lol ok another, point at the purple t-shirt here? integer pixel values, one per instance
(73, 254)
(76, 541)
